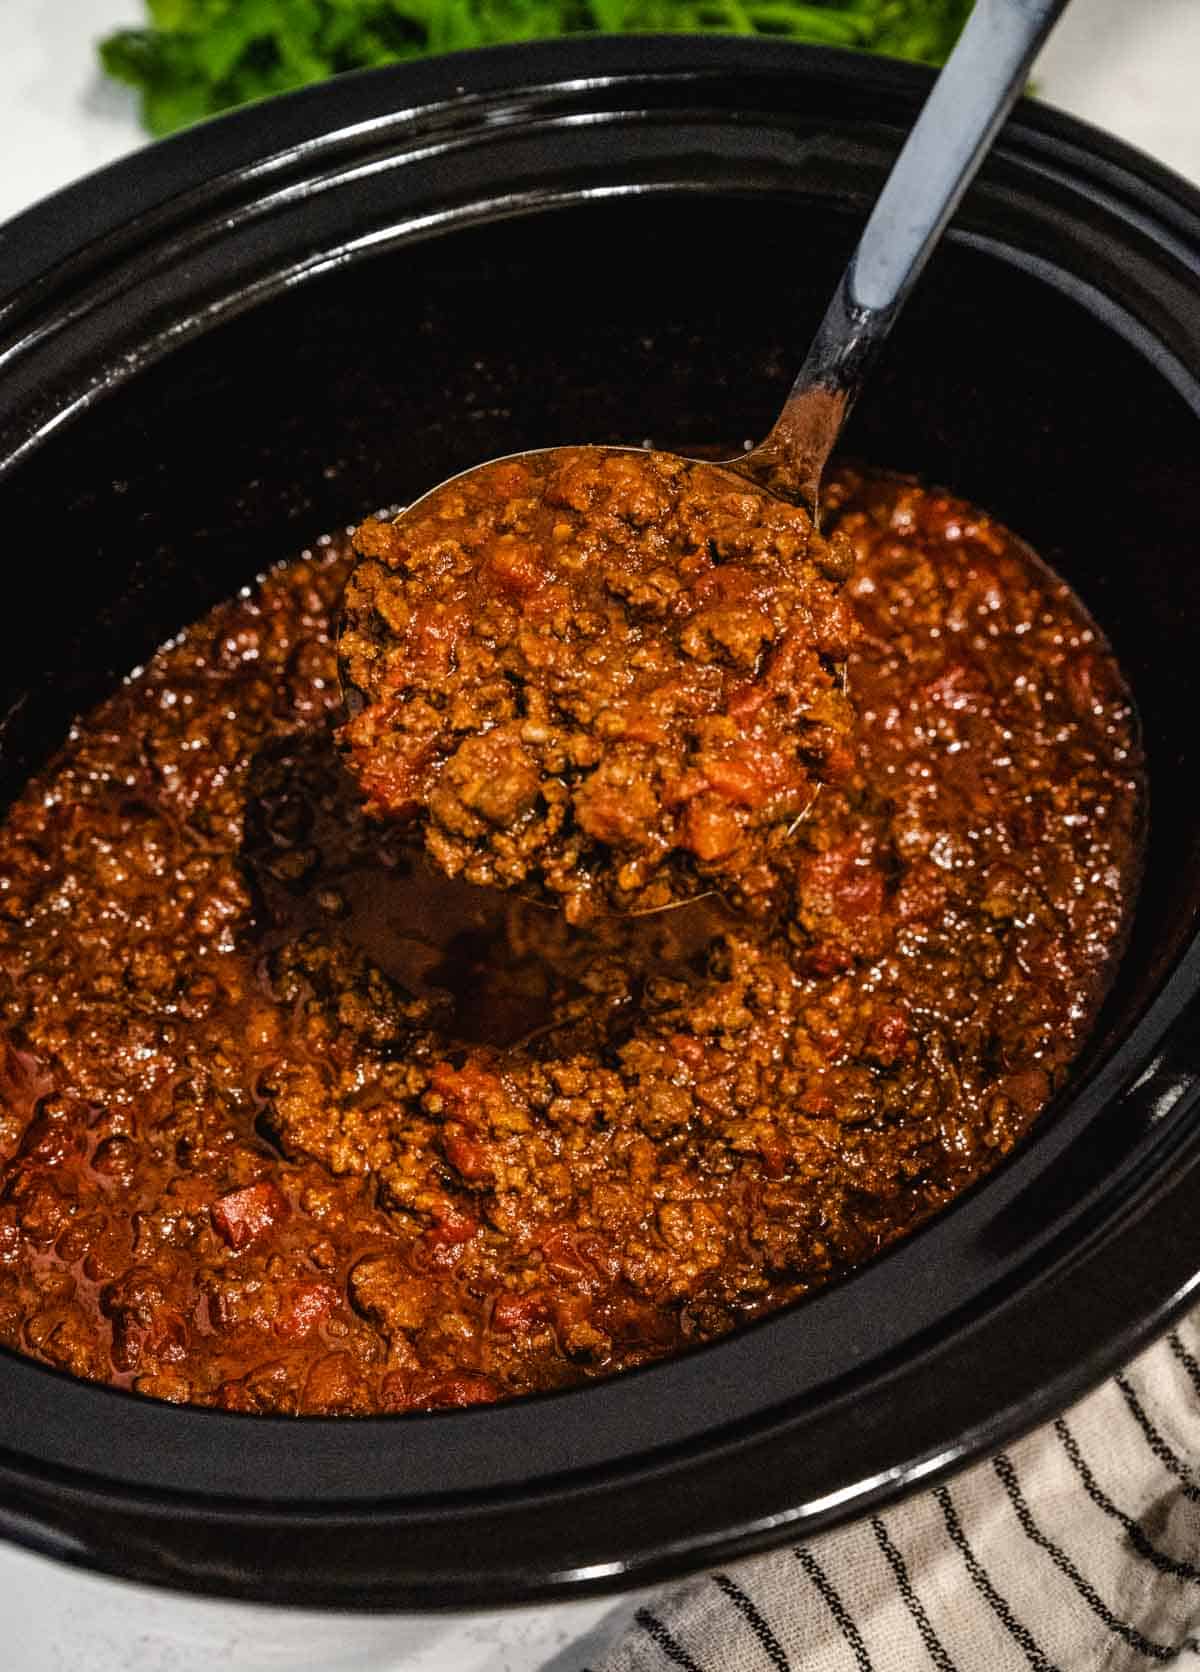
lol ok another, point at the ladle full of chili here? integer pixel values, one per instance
(615, 678)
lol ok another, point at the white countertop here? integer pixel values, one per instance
(1126, 65)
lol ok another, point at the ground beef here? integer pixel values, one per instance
(290, 1122)
(608, 678)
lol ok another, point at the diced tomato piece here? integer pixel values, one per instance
(578, 1256)
(453, 1226)
(433, 636)
(514, 567)
(687, 1048)
(454, 1223)
(305, 1307)
(245, 1216)
(392, 777)
(469, 1158)
(167, 1336)
(736, 780)
(563, 1257)
(843, 882)
(746, 700)
(464, 1088)
(518, 1314)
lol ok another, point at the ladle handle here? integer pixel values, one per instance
(969, 101)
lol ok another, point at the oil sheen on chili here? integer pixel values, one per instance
(289, 1122)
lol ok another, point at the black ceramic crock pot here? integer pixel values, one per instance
(231, 342)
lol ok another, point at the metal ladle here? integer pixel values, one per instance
(968, 104)
(971, 97)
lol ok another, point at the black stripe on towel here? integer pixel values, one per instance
(1185, 1358)
(912, 1601)
(1137, 1538)
(1128, 1633)
(836, 1607)
(983, 1584)
(659, 1635)
(758, 1625)
(1155, 1441)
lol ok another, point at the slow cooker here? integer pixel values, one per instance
(229, 343)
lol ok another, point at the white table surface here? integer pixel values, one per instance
(1127, 65)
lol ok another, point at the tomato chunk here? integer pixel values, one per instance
(245, 1216)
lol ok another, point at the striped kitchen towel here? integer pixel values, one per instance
(1076, 1550)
